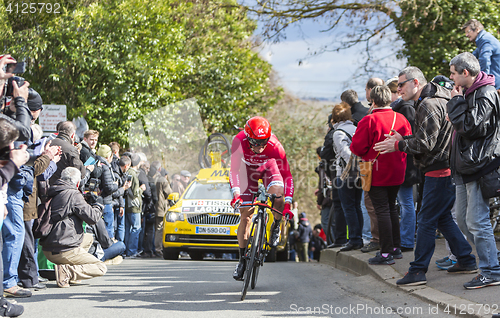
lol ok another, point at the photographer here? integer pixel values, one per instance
(18, 108)
(10, 162)
(67, 245)
(70, 156)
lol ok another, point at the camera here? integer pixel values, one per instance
(15, 68)
(5, 155)
(10, 88)
(92, 185)
(129, 178)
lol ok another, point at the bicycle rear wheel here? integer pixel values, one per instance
(260, 253)
(251, 260)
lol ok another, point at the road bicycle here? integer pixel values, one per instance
(257, 245)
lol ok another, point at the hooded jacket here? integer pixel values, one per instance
(430, 142)
(69, 211)
(475, 118)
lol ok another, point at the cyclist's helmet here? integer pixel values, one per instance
(258, 131)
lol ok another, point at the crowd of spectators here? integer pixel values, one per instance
(100, 206)
(441, 137)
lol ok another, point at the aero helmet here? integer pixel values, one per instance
(258, 131)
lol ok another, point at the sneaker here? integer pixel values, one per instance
(62, 276)
(275, 236)
(412, 279)
(397, 254)
(349, 247)
(239, 270)
(16, 292)
(446, 264)
(8, 309)
(370, 247)
(481, 281)
(114, 261)
(380, 260)
(458, 269)
(442, 260)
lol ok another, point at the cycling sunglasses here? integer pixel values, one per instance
(258, 142)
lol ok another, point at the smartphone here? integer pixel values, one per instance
(15, 68)
(129, 178)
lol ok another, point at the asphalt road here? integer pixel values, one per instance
(184, 288)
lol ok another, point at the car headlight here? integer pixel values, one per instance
(174, 216)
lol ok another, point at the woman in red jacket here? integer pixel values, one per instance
(388, 170)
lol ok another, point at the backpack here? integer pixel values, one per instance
(328, 155)
(42, 225)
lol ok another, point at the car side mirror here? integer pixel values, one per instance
(173, 198)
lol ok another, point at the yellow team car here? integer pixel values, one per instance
(202, 220)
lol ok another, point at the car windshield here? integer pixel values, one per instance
(208, 191)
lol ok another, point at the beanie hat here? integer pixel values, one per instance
(34, 100)
(104, 151)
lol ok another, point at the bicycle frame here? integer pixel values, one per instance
(256, 248)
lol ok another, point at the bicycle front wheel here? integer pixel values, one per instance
(252, 259)
(259, 258)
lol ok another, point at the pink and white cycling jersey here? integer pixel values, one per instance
(244, 161)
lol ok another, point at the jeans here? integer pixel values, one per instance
(437, 201)
(366, 231)
(119, 226)
(325, 214)
(384, 203)
(473, 218)
(13, 232)
(108, 216)
(350, 198)
(113, 251)
(340, 230)
(132, 231)
(408, 217)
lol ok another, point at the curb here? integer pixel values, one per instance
(356, 263)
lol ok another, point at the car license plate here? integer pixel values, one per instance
(213, 230)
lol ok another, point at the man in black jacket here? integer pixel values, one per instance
(89, 143)
(67, 245)
(358, 111)
(474, 112)
(70, 156)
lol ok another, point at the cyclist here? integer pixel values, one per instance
(256, 154)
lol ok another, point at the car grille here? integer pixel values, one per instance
(221, 219)
(208, 239)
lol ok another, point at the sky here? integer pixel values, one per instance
(324, 76)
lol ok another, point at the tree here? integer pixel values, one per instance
(430, 29)
(115, 68)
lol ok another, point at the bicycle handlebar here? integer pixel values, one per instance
(262, 205)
